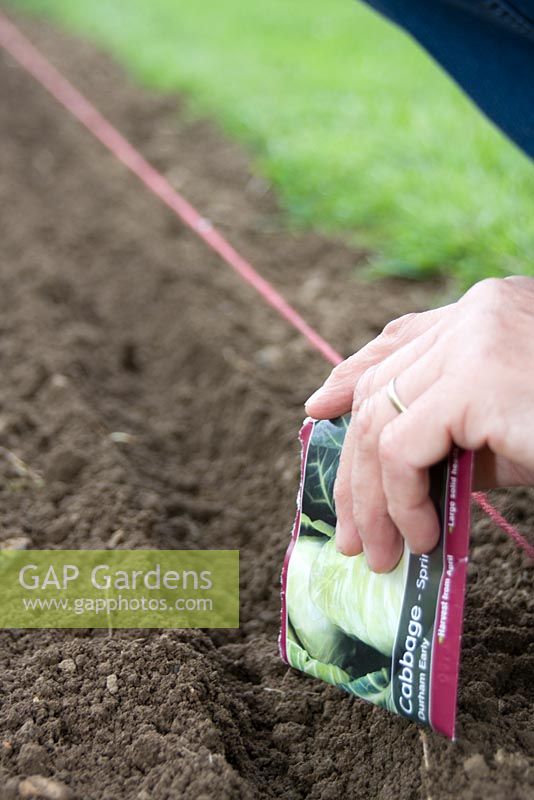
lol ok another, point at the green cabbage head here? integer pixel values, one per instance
(361, 603)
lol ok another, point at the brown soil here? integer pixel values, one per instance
(114, 318)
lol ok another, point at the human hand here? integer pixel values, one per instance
(466, 374)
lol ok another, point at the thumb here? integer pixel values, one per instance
(334, 397)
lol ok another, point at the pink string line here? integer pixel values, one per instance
(481, 500)
(26, 54)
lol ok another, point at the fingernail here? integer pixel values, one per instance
(347, 541)
(315, 396)
(369, 561)
(378, 565)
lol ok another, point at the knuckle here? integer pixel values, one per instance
(388, 452)
(364, 420)
(397, 327)
(359, 517)
(338, 372)
(489, 291)
(344, 369)
(365, 386)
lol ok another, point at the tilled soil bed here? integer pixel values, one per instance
(114, 318)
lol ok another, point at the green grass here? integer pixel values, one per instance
(356, 128)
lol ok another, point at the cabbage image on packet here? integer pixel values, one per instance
(392, 639)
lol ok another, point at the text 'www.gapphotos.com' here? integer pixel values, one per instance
(109, 605)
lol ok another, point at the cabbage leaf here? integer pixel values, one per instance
(321, 638)
(374, 687)
(321, 467)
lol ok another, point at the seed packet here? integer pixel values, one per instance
(392, 639)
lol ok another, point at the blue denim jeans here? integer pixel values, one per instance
(487, 46)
